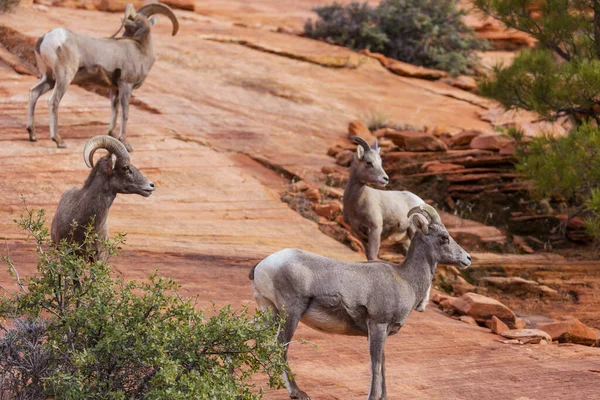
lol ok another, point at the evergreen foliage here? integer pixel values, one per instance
(422, 32)
(559, 77)
(99, 337)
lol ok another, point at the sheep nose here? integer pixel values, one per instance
(469, 257)
(152, 185)
(386, 179)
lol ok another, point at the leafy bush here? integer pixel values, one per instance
(104, 338)
(567, 168)
(8, 5)
(422, 32)
(559, 77)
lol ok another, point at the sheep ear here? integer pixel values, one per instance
(420, 222)
(153, 20)
(360, 152)
(114, 160)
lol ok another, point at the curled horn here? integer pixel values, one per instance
(360, 141)
(129, 14)
(103, 142)
(159, 8)
(426, 209)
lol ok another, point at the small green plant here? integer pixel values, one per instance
(8, 5)
(566, 167)
(99, 337)
(377, 119)
(422, 32)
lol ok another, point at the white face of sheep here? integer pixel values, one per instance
(441, 245)
(368, 166)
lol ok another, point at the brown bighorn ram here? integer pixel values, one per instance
(64, 57)
(375, 214)
(371, 299)
(113, 174)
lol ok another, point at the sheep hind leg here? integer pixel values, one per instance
(43, 86)
(114, 113)
(285, 337)
(125, 90)
(63, 79)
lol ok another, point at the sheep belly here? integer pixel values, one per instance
(331, 320)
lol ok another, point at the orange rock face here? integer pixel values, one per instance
(483, 308)
(571, 331)
(490, 141)
(497, 326)
(357, 128)
(415, 141)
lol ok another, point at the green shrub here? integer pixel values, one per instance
(104, 338)
(422, 32)
(559, 77)
(8, 5)
(567, 168)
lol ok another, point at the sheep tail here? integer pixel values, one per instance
(251, 274)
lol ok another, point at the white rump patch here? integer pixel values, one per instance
(263, 281)
(52, 41)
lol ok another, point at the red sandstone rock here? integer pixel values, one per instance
(437, 166)
(532, 336)
(571, 331)
(464, 138)
(344, 158)
(497, 326)
(299, 186)
(490, 141)
(416, 141)
(413, 71)
(328, 210)
(378, 56)
(313, 195)
(468, 320)
(463, 82)
(357, 128)
(519, 286)
(483, 308)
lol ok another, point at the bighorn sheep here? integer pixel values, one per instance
(375, 214)
(370, 299)
(113, 174)
(64, 57)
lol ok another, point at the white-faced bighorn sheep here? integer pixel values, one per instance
(370, 299)
(113, 174)
(121, 64)
(374, 214)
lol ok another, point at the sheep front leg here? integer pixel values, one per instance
(114, 112)
(64, 76)
(383, 388)
(377, 336)
(372, 247)
(125, 90)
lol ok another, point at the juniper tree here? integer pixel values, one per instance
(559, 77)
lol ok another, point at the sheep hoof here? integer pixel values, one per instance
(32, 135)
(299, 395)
(127, 145)
(59, 143)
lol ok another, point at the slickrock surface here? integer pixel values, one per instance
(220, 128)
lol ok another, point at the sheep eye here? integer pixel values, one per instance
(369, 164)
(445, 239)
(125, 168)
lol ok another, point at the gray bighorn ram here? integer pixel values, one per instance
(113, 174)
(374, 214)
(121, 64)
(371, 299)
